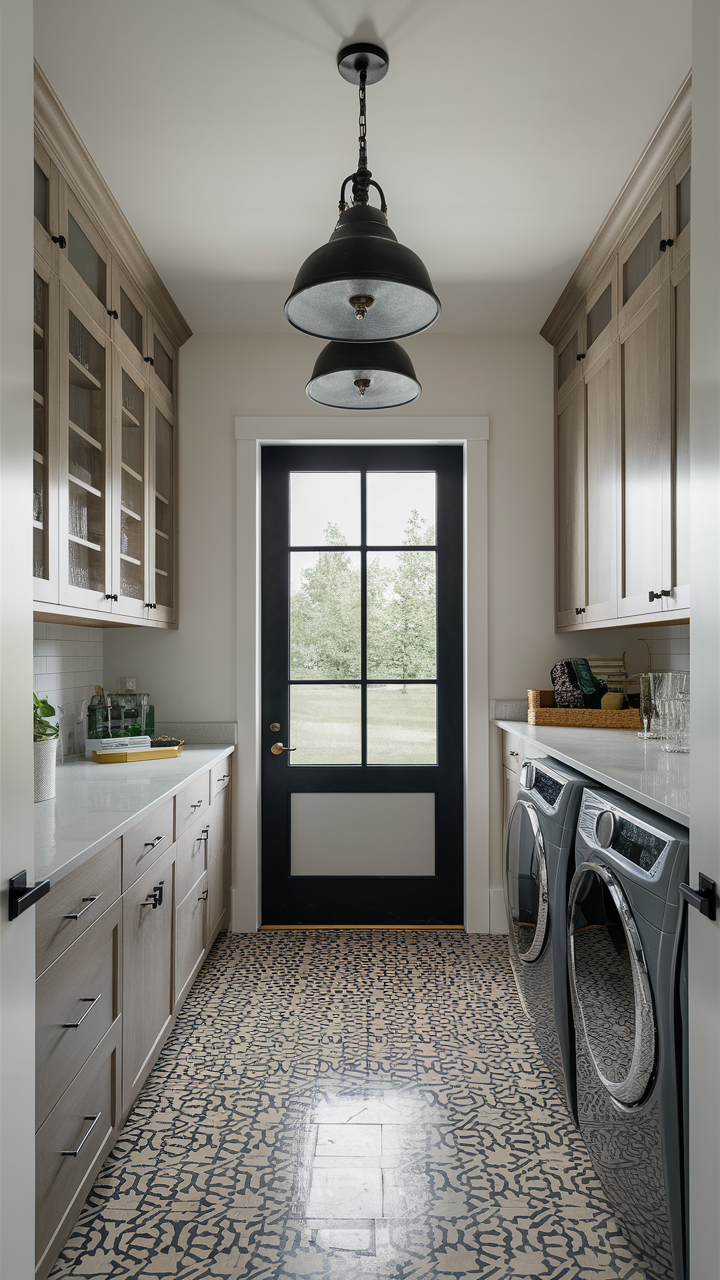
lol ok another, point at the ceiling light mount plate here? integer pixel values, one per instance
(362, 56)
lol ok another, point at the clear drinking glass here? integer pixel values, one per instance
(675, 711)
(651, 684)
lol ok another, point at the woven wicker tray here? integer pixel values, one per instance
(542, 711)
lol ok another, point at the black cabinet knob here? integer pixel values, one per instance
(577, 611)
(666, 244)
(149, 360)
(59, 240)
(148, 605)
(581, 356)
(114, 314)
(111, 597)
(657, 595)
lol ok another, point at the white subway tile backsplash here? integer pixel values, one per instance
(67, 664)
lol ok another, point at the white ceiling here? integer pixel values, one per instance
(501, 135)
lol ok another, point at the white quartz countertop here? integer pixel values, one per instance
(617, 758)
(96, 803)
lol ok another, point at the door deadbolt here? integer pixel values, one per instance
(277, 748)
(274, 727)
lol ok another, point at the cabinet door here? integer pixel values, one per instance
(84, 264)
(130, 328)
(646, 452)
(45, 207)
(643, 261)
(570, 509)
(569, 356)
(163, 366)
(45, 432)
(163, 514)
(679, 202)
(218, 883)
(601, 316)
(191, 933)
(679, 577)
(85, 463)
(148, 970)
(601, 411)
(131, 491)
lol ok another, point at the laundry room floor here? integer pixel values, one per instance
(347, 1104)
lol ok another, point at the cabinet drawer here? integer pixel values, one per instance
(147, 969)
(220, 815)
(143, 844)
(218, 882)
(191, 855)
(220, 776)
(83, 1122)
(75, 903)
(77, 1001)
(512, 752)
(191, 803)
(190, 934)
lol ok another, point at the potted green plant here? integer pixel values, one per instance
(45, 737)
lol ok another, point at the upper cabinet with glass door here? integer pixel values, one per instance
(106, 341)
(679, 202)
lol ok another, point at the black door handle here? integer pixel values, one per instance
(23, 895)
(60, 240)
(704, 898)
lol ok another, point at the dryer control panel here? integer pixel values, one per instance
(606, 826)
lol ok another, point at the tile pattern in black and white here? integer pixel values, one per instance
(348, 1105)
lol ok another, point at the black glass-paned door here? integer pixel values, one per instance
(362, 684)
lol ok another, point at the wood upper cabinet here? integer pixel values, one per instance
(569, 356)
(679, 200)
(148, 968)
(106, 341)
(680, 469)
(570, 509)
(601, 510)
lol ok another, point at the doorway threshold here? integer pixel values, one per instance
(315, 928)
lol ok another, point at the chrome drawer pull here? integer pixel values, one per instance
(77, 914)
(151, 844)
(91, 1001)
(77, 1150)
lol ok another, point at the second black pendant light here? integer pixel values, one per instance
(363, 287)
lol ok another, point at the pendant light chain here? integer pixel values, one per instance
(362, 179)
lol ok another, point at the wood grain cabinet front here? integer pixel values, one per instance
(191, 803)
(148, 970)
(191, 930)
(220, 776)
(146, 841)
(218, 882)
(192, 854)
(77, 1001)
(70, 1146)
(75, 903)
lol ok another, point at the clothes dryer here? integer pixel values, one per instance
(628, 980)
(538, 868)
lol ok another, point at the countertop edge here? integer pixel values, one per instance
(530, 733)
(77, 860)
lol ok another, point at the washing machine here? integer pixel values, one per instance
(538, 868)
(628, 981)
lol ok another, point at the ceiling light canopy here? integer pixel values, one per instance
(362, 286)
(367, 375)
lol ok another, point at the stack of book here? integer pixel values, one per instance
(139, 743)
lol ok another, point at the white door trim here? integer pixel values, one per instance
(473, 434)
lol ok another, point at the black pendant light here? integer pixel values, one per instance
(363, 375)
(362, 286)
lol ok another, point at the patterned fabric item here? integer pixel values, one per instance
(565, 686)
(593, 689)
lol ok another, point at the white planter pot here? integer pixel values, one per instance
(45, 754)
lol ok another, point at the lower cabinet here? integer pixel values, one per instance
(148, 978)
(113, 970)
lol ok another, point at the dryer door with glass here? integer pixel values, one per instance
(610, 985)
(526, 883)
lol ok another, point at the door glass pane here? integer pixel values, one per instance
(643, 258)
(400, 508)
(599, 316)
(163, 511)
(163, 365)
(131, 321)
(325, 724)
(402, 724)
(86, 260)
(41, 190)
(683, 202)
(603, 974)
(401, 615)
(40, 558)
(567, 360)
(324, 508)
(325, 615)
(132, 491)
(86, 458)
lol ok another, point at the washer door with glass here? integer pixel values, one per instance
(526, 882)
(610, 984)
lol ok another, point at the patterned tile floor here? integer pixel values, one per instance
(348, 1105)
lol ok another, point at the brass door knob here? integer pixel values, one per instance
(274, 727)
(277, 748)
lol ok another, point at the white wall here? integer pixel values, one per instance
(17, 937)
(191, 673)
(67, 664)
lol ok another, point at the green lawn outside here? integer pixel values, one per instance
(325, 724)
